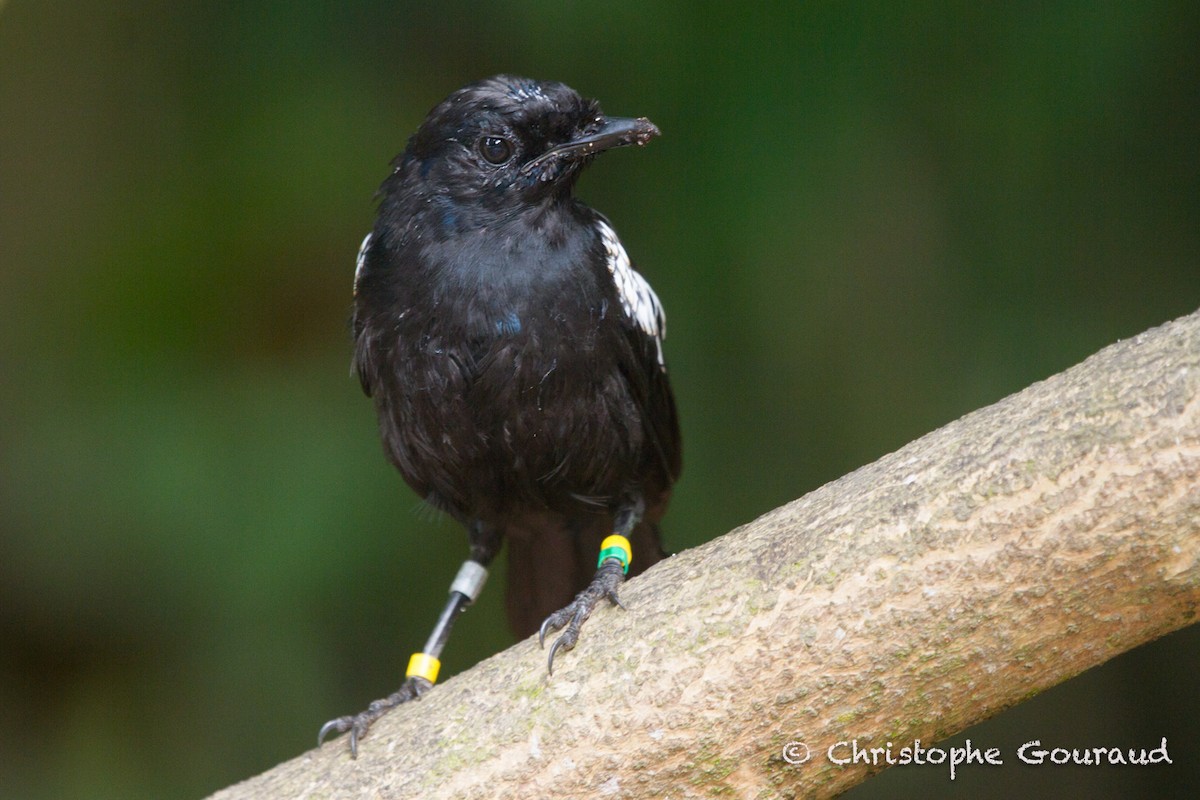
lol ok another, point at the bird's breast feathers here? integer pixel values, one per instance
(639, 303)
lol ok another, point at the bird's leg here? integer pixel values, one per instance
(615, 557)
(423, 667)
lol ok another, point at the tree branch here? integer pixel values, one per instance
(975, 567)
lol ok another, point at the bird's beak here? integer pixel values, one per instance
(615, 132)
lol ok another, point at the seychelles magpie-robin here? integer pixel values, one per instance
(515, 359)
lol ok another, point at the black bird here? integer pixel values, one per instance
(515, 359)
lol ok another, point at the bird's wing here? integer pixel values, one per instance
(646, 327)
(364, 362)
(638, 300)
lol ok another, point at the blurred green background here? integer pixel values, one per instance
(864, 220)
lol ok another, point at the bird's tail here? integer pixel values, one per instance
(550, 560)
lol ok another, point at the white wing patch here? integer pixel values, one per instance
(361, 260)
(638, 300)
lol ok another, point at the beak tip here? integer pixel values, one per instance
(644, 131)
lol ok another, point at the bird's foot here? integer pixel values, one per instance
(358, 724)
(608, 577)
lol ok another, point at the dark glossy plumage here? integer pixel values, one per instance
(512, 387)
(515, 358)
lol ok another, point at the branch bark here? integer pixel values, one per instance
(975, 567)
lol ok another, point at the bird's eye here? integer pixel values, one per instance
(495, 149)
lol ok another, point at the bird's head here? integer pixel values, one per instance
(507, 139)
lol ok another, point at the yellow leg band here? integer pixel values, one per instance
(422, 665)
(618, 547)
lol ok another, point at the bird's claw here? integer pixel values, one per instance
(604, 585)
(357, 724)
